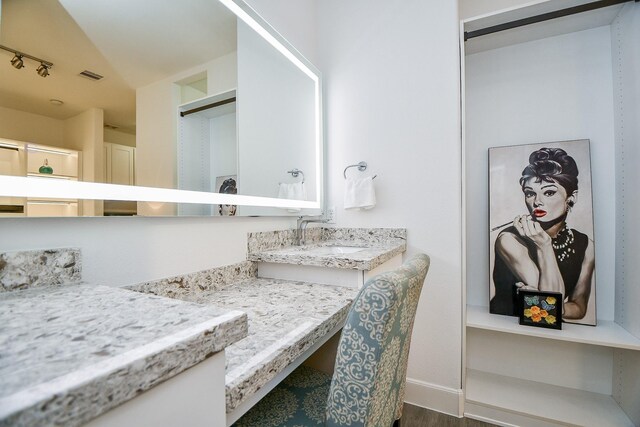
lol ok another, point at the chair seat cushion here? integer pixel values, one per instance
(300, 400)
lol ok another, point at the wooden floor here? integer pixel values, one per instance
(414, 416)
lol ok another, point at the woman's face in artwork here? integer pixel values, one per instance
(227, 210)
(546, 201)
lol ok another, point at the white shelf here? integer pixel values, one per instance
(52, 175)
(544, 402)
(564, 25)
(607, 333)
(51, 201)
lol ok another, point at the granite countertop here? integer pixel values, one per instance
(70, 353)
(285, 319)
(379, 245)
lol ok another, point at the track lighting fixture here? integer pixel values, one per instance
(43, 70)
(18, 61)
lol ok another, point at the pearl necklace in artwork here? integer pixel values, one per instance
(565, 247)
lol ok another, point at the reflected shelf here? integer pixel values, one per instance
(52, 175)
(51, 202)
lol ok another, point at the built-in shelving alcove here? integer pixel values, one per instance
(567, 78)
(39, 161)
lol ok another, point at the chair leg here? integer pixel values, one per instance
(396, 423)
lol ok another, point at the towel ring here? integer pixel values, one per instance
(295, 172)
(362, 166)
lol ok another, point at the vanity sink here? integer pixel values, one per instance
(333, 250)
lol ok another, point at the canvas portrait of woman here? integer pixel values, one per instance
(541, 226)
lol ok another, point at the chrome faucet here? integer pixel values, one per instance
(302, 227)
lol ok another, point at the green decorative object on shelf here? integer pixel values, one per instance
(45, 168)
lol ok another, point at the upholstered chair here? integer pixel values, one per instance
(367, 387)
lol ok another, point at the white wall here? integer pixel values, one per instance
(391, 73)
(554, 89)
(117, 251)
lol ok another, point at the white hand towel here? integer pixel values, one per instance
(359, 193)
(299, 191)
(295, 191)
(284, 191)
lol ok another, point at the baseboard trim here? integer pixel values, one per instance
(435, 397)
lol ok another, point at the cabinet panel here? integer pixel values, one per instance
(119, 164)
(12, 158)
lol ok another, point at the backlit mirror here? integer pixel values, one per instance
(195, 95)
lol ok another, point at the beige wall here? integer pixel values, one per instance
(84, 133)
(28, 127)
(118, 137)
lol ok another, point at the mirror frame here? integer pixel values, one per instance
(18, 186)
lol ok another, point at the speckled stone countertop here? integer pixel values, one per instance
(285, 319)
(381, 244)
(66, 356)
(37, 268)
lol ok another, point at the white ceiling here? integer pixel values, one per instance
(128, 42)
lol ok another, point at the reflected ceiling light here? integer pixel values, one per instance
(43, 70)
(18, 61)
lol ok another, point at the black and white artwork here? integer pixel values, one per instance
(227, 184)
(541, 227)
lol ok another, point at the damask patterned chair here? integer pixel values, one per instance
(367, 388)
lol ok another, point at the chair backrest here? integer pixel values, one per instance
(367, 388)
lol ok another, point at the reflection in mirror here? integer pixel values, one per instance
(191, 99)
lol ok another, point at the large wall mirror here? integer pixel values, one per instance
(131, 107)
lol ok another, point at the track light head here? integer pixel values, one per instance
(43, 70)
(17, 61)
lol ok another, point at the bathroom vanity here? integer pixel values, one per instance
(335, 256)
(191, 347)
(288, 321)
